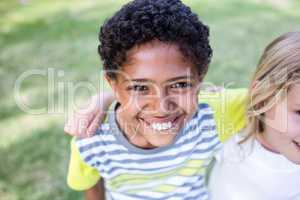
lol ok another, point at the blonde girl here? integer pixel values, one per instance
(263, 161)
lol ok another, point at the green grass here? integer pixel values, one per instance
(63, 35)
(35, 167)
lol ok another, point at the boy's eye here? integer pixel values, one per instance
(298, 112)
(138, 88)
(181, 85)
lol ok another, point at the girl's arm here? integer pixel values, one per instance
(97, 192)
(85, 122)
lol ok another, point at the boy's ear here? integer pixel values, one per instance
(111, 82)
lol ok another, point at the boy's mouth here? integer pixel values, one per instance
(163, 123)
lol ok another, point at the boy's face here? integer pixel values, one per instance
(157, 89)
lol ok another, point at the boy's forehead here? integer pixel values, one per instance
(158, 73)
(157, 62)
(162, 51)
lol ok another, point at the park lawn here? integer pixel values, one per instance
(61, 36)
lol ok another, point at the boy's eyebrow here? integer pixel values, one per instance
(180, 77)
(170, 80)
(137, 80)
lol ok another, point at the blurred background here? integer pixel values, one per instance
(48, 58)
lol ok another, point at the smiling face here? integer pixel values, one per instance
(282, 127)
(157, 91)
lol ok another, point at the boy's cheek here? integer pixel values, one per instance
(188, 101)
(129, 102)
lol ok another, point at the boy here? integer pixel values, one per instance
(159, 141)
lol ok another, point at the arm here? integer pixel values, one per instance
(81, 176)
(97, 192)
(84, 122)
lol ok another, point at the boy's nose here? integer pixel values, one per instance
(163, 104)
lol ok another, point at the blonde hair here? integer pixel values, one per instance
(277, 70)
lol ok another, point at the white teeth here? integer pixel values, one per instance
(161, 126)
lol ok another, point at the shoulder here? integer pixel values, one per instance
(96, 145)
(102, 134)
(234, 150)
(204, 112)
(81, 175)
(229, 106)
(203, 128)
(203, 120)
(204, 108)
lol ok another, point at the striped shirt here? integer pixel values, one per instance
(176, 171)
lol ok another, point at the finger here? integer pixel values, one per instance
(95, 124)
(82, 126)
(70, 127)
(67, 129)
(77, 125)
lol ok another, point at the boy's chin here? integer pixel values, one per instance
(161, 139)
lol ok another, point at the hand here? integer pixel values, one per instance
(86, 121)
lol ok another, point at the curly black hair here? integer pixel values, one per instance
(141, 21)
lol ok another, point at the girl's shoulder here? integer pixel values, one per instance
(236, 150)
